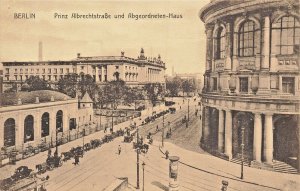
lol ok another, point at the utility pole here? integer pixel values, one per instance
(163, 131)
(138, 160)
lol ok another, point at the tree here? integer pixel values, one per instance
(87, 84)
(115, 93)
(68, 85)
(174, 85)
(35, 83)
(153, 91)
(188, 85)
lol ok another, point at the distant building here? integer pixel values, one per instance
(30, 118)
(251, 91)
(196, 77)
(1, 77)
(102, 68)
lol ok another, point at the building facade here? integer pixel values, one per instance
(251, 91)
(30, 118)
(102, 68)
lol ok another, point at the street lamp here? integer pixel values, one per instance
(137, 159)
(163, 131)
(143, 175)
(83, 134)
(242, 151)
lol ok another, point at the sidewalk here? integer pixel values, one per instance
(231, 171)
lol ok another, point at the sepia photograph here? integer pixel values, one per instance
(149, 95)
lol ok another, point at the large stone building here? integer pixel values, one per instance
(102, 68)
(30, 118)
(252, 82)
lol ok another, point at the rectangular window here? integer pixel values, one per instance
(61, 70)
(215, 84)
(7, 70)
(117, 67)
(43, 70)
(288, 85)
(55, 71)
(49, 70)
(68, 70)
(244, 84)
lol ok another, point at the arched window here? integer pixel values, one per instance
(45, 125)
(59, 121)
(9, 132)
(247, 36)
(286, 35)
(220, 44)
(28, 129)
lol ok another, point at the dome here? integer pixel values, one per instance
(8, 99)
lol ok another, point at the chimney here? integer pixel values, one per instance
(40, 51)
(78, 55)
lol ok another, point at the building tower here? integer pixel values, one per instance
(40, 51)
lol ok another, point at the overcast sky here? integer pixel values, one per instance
(180, 42)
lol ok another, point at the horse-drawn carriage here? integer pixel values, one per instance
(128, 139)
(77, 151)
(28, 152)
(20, 173)
(53, 162)
(107, 138)
(87, 147)
(95, 143)
(67, 156)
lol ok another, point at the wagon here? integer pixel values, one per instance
(77, 151)
(128, 139)
(41, 168)
(67, 156)
(53, 162)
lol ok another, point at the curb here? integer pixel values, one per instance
(212, 173)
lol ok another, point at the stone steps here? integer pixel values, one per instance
(278, 166)
(284, 167)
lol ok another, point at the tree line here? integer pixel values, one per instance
(109, 95)
(177, 84)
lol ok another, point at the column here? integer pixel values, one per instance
(209, 46)
(205, 127)
(37, 128)
(221, 131)
(96, 74)
(257, 139)
(19, 130)
(266, 45)
(102, 73)
(268, 138)
(228, 134)
(228, 47)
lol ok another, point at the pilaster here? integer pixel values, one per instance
(268, 139)
(221, 131)
(228, 134)
(257, 139)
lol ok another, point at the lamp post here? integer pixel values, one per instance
(83, 134)
(163, 131)
(242, 151)
(143, 175)
(188, 119)
(138, 160)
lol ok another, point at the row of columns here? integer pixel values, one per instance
(225, 134)
(154, 75)
(101, 76)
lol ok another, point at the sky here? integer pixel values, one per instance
(179, 41)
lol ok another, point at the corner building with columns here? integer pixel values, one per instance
(251, 88)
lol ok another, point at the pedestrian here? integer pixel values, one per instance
(119, 149)
(49, 152)
(156, 128)
(167, 154)
(76, 157)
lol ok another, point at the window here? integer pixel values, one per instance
(117, 67)
(68, 70)
(288, 85)
(61, 70)
(247, 36)
(287, 30)
(215, 84)
(37, 70)
(21, 70)
(55, 71)
(9, 132)
(7, 70)
(244, 84)
(220, 44)
(59, 121)
(45, 124)
(16, 77)
(43, 70)
(16, 70)
(72, 123)
(28, 129)
(82, 67)
(55, 78)
(49, 70)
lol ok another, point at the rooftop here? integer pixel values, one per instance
(9, 99)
